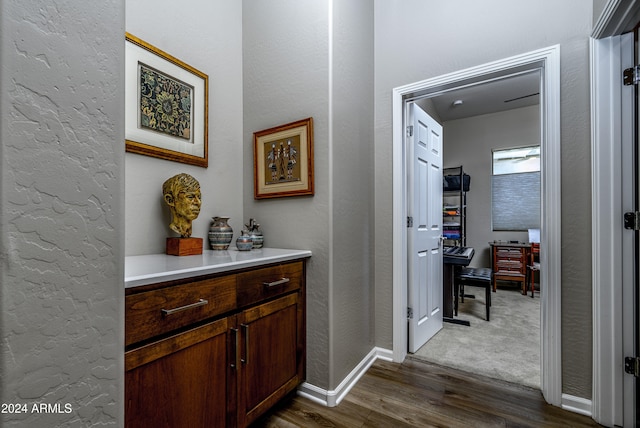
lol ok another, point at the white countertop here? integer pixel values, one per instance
(152, 268)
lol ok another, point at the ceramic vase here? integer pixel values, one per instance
(244, 241)
(256, 234)
(220, 233)
(257, 238)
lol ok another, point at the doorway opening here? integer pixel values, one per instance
(546, 62)
(497, 145)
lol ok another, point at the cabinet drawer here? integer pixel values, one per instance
(508, 254)
(261, 284)
(508, 265)
(160, 311)
(509, 272)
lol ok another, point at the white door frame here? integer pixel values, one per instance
(547, 61)
(612, 137)
(612, 268)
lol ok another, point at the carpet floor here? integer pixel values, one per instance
(505, 348)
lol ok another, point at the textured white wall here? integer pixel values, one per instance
(291, 73)
(417, 40)
(62, 209)
(352, 186)
(208, 36)
(286, 78)
(598, 7)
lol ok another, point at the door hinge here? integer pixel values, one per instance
(632, 366)
(632, 220)
(631, 76)
(410, 313)
(409, 131)
(409, 221)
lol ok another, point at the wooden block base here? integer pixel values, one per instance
(184, 246)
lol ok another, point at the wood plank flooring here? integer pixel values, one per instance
(421, 394)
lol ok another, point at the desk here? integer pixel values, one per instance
(510, 262)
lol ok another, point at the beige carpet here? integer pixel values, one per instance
(507, 347)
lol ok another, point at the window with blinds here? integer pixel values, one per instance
(515, 189)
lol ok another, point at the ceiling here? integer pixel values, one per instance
(518, 91)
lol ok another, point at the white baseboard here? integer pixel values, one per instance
(332, 398)
(577, 405)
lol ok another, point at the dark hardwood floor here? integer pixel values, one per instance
(420, 394)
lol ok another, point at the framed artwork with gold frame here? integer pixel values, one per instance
(166, 105)
(283, 160)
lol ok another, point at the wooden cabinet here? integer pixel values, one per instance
(180, 381)
(270, 356)
(510, 262)
(216, 364)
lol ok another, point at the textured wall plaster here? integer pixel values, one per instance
(285, 66)
(61, 196)
(352, 183)
(300, 61)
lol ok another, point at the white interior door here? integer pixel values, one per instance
(424, 187)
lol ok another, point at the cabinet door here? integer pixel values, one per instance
(271, 355)
(180, 381)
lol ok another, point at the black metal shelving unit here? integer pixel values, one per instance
(454, 206)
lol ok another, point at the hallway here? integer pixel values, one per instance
(419, 394)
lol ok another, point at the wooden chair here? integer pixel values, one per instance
(534, 265)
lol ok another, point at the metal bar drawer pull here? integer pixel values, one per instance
(200, 302)
(276, 283)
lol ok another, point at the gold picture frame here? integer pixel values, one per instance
(166, 105)
(283, 160)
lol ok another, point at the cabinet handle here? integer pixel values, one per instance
(245, 327)
(200, 302)
(276, 283)
(234, 363)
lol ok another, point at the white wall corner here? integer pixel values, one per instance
(333, 397)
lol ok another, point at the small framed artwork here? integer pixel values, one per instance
(283, 160)
(166, 105)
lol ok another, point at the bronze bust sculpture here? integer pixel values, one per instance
(182, 193)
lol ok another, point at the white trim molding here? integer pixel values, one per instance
(576, 404)
(612, 109)
(547, 62)
(617, 17)
(334, 397)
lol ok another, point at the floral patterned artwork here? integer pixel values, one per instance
(165, 103)
(282, 160)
